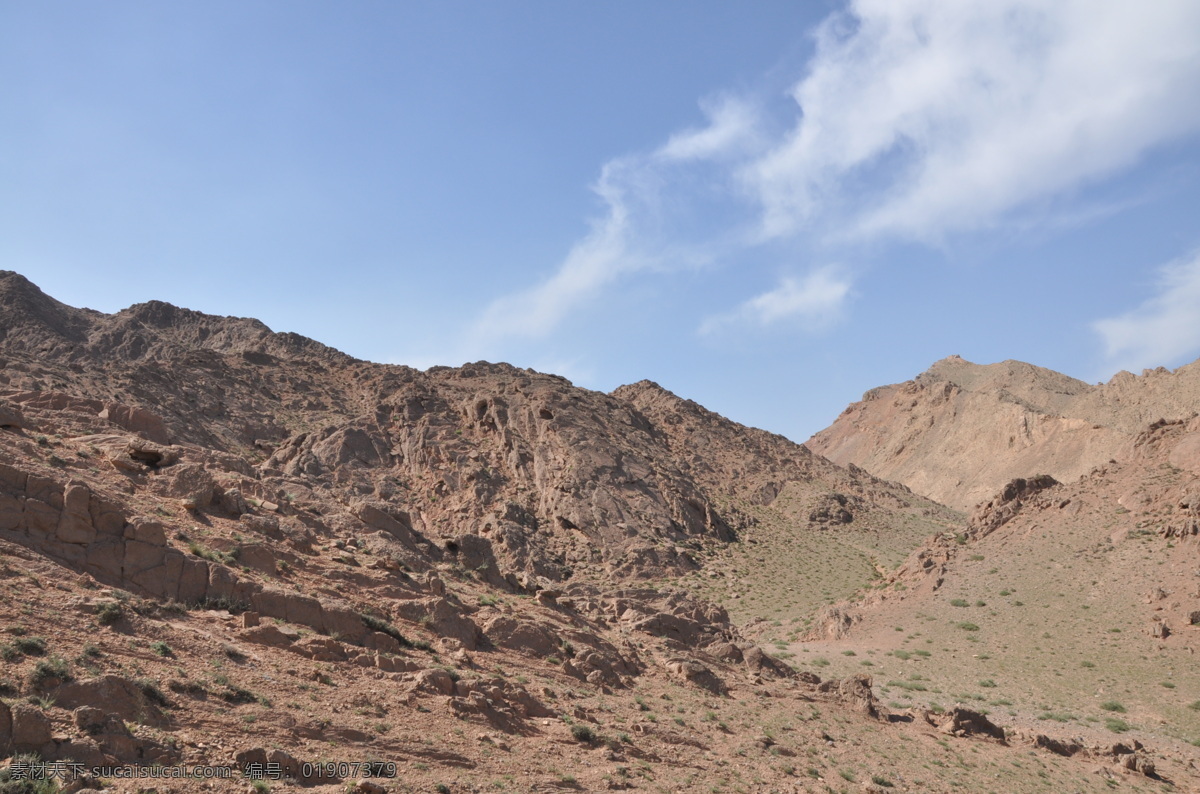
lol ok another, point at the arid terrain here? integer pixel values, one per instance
(237, 551)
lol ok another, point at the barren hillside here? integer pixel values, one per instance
(959, 431)
(1063, 604)
(230, 549)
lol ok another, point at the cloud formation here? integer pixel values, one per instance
(922, 118)
(1165, 328)
(814, 302)
(915, 119)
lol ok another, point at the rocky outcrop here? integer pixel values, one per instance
(1003, 507)
(856, 692)
(959, 721)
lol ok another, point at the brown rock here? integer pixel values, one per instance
(964, 722)
(6, 728)
(30, 728)
(435, 680)
(11, 417)
(1064, 747)
(696, 673)
(321, 649)
(111, 694)
(270, 635)
(442, 617)
(146, 530)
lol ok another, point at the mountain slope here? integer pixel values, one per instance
(480, 574)
(959, 431)
(1064, 604)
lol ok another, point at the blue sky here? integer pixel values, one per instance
(766, 207)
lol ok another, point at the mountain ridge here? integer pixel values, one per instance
(958, 431)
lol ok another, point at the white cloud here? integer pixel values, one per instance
(593, 263)
(917, 119)
(731, 131)
(629, 237)
(1164, 329)
(921, 117)
(814, 301)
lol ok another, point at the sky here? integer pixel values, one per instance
(765, 207)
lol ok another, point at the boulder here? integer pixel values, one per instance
(434, 680)
(30, 728)
(145, 530)
(442, 617)
(270, 635)
(111, 694)
(856, 691)
(11, 417)
(965, 722)
(320, 649)
(1064, 747)
(525, 636)
(696, 673)
(188, 482)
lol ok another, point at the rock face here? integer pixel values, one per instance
(503, 471)
(959, 431)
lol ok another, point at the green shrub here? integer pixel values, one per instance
(110, 612)
(153, 693)
(1117, 726)
(583, 733)
(375, 623)
(1112, 705)
(53, 668)
(161, 648)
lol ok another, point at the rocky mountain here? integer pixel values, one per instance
(959, 431)
(1071, 604)
(231, 549)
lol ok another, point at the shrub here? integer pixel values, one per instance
(1112, 705)
(1117, 726)
(13, 782)
(959, 602)
(161, 648)
(110, 612)
(30, 646)
(153, 693)
(236, 695)
(582, 733)
(375, 623)
(965, 626)
(53, 668)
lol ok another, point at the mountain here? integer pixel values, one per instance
(232, 549)
(959, 431)
(1074, 605)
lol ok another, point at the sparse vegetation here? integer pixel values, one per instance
(109, 613)
(53, 669)
(1117, 725)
